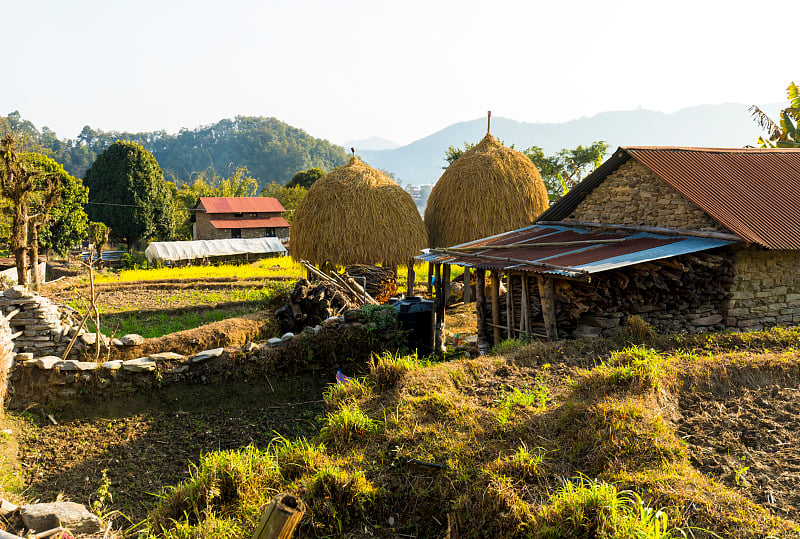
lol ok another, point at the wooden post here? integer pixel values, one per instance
(495, 284)
(410, 281)
(548, 295)
(442, 293)
(280, 518)
(429, 285)
(480, 308)
(509, 303)
(467, 284)
(525, 315)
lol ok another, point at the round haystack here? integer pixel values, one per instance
(357, 215)
(489, 190)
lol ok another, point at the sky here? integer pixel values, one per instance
(402, 70)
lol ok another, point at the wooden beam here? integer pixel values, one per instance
(467, 284)
(495, 284)
(653, 229)
(410, 280)
(574, 273)
(525, 315)
(480, 308)
(542, 244)
(509, 304)
(429, 284)
(548, 294)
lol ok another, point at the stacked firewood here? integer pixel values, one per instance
(311, 303)
(381, 283)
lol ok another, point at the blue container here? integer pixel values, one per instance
(415, 315)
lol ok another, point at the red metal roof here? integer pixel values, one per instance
(240, 204)
(568, 251)
(269, 222)
(754, 192)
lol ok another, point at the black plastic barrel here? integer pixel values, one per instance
(415, 315)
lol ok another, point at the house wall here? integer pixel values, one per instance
(203, 229)
(766, 289)
(634, 195)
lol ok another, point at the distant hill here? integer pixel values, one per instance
(705, 125)
(371, 143)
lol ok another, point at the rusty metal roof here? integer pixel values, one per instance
(240, 204)
(754, 192)
(567, 251)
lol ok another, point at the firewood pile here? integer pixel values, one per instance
(311, 303)
(381, 283)
(667, 288)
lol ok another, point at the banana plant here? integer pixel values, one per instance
(786, 134)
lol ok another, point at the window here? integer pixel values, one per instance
(236, 233)
(238, 214)
(270, 232)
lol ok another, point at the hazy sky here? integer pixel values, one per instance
(400, 70)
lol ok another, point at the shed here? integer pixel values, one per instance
(172, 252)
(690, 239)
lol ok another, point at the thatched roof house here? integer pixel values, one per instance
(357, 215)
(488, 190)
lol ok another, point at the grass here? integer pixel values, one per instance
(158, 324)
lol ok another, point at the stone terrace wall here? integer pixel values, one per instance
(766, 290)
(634, 195)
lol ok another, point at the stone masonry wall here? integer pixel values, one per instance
(766, 290)
(634, 195)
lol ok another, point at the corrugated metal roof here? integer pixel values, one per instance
(754, 192)
(269, 222)
(555, 250)
(240, 204)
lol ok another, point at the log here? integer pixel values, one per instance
(429, 284)
(480, 308)
(410, 280)
(547, 293)
(280, 518)
(495, 286)
(509, 302)
(467, 284)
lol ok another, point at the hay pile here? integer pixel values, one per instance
(489, 190)
(357, 215)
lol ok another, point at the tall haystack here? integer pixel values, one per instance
(357, 215)
(488, 190)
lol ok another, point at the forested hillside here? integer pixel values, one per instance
(271, 150)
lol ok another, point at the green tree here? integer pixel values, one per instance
(66, 222)
(786, 134)
(306, 178)
(128, 193)
(289, 197)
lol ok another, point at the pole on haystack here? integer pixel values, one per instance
(480, 308)
(548, 294)
(495, 284)
(280, 518)
(488, 122)
(410, 281)
(467, 284)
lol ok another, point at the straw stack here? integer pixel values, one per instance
(357, 215)
(489, 190)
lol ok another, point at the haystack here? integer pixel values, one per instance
(489, 190)
(357, 215)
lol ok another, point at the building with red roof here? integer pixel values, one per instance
(217, 218)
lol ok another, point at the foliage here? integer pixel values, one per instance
(383, 316)
(787, 134)
(128, 193)
(305, 178)
(266, 268)
(289, 197)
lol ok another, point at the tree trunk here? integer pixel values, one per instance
(34, 244)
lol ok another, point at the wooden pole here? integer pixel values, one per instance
(445, 296)
(654, 229)
(280, 518)
(467, 284)
(480, 308)
(429, 285)
(410, 281)
(509, 307)
(548, 295)
(495, 284)
(525, 315)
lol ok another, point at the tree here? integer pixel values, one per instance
(128, 193)
(66, 224)
(306, 178)
(787, 134)
(289, 197)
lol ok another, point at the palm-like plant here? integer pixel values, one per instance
(787, 133)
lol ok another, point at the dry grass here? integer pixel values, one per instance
(357, 215)
(489, 190)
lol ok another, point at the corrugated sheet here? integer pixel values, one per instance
(614, 250)
(199, 249)
(269, 222)
(754, 192)
(240, 204)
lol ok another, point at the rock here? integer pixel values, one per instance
(250, 347)
(40, 517)
(286, 336)
(166, 356)
(140, 364)
(354, 316)
(131, 339)
(6, 507)
(23, 356)
(207, 354)
(117, 342)
(47, 362)
(17, 292)
(180, 369)
(332, 321)
(317, 328)
(599, 321)
(708, 320)
(72, 365)
(583, 331)
(274, 341)
(113, 365)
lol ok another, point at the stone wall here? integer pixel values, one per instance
(203, 230)
(766, 290)
(634, 195)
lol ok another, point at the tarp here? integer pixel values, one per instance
(191, 250)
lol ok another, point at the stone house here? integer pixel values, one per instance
(217, 218)
(690, 239)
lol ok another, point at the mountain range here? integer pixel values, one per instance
(725, 125)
